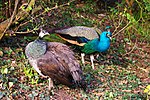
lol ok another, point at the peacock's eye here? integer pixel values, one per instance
(107, 34)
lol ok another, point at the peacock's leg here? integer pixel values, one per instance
(92, 59)
(50, 83)
(82, 59)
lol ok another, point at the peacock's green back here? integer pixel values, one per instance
(90, 47)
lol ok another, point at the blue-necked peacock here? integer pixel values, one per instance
(86, 37)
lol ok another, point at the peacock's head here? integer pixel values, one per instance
(106, 35)
(43, 33)
(107, 28)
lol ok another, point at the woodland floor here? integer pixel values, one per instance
(119, 76)
(122, 73)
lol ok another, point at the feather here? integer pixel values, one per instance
(55, 60)
(86, 37)
(79, 31)
(60, 64)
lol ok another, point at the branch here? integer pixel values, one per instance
(11, 19)
(45, 12)
(54, 8)
(121, 29)
(131, 49)
(120, 22)
(30, 31)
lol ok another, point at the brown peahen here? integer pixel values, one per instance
(54, 60)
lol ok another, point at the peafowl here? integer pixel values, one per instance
(54, 60)
(86, 37)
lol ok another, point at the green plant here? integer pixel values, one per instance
(32, 76)
(136, 23)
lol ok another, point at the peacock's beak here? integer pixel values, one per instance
(110, 38)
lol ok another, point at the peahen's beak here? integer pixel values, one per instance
(43, 33)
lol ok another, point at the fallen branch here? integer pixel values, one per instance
(131, 49)
(30, 31)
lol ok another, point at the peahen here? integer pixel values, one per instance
(86, 37)
(54, 60)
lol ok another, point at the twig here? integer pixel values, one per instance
(33, 18)
(120, 22)
(24, 32)
(16, 29)
(55, 8)
(12, 17)
(131, 49)
(20, 26)
(121, 29)
(9, 7)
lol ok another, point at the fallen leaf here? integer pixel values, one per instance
(126, 90)
(147, 90)
(10, 84)
(1, 53)
(13, 64)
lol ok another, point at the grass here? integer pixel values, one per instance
(118, 75)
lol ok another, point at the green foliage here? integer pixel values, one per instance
(32, 76)
(147, 5)
(110, 81)
(138, 21)
(4, 70)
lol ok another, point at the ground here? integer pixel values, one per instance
(122, 73)
(116, 75)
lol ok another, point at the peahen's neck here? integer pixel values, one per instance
(36, 48)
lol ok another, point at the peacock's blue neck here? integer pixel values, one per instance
(103, 44)
(100, 44)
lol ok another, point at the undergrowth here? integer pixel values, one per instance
(120, 74)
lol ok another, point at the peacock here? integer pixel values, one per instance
(55, 61)
(87, 38)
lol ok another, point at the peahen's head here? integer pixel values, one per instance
(43, 33)
(105, 35)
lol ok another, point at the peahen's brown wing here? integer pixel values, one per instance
(60, 64)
